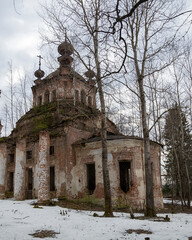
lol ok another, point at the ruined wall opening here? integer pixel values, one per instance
(52, 178)
(40, 101)
(91, 178)
(11, 181)
(125, 175)
(11, 158)
(51, 150)
(29, 155)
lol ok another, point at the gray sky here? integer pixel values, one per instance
(19, 38)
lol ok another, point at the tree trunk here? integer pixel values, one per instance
(188, 186)
(179, 174)
(150, 206)
(183, 152)
(106, 180)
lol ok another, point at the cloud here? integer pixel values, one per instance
(19, 39)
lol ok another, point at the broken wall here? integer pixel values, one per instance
(121, 150)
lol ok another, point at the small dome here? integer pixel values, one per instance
(65, 48)
(39, 73)
(90, 74)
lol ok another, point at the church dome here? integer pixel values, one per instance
(65, 48)
(90, 74)
(39, 73)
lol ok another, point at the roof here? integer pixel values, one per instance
(111, 137)
(72, 73)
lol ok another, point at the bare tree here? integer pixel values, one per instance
(150, 34)
(11, 89)
(17, 97)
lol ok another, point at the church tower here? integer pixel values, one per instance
(64, 83)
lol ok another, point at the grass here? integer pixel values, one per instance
(44, 234)
(138, 231)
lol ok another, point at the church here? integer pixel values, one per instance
(55, 149)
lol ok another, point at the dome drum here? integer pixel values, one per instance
(65, 61)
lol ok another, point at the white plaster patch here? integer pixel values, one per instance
(19, 177)
(2, 164)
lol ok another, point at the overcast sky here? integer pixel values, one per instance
(19, 38)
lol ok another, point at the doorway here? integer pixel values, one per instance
(91, 178)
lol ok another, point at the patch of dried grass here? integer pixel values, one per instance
(138, 231)
(44, 234)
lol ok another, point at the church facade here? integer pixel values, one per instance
(55, 149)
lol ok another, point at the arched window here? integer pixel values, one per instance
(47, 97)
(83, 97)
(53, 95)
(77, 95)
(90, 101)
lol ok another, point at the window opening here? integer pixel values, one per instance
(77, 95)
(29, 154)
(52, 178)
(90, 101)
(30, 179)
(91, 178)
(11, 179)
(40, 100)
(51, 150)
(47, 96)
(53, 95)
(125, 175)
(83, 97)
(65, 89)
(11, 157)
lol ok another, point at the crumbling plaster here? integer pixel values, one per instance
(43, 162)
(3, 157)
(20, 164)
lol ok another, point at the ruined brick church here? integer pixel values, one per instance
(55, 149)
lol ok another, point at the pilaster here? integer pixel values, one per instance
(3, 160)
(20, 163)
(43, 168)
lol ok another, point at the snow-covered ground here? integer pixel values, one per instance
(18, 219)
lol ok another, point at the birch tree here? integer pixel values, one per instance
(17, 96)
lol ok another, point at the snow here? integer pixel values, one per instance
(175, 201)
(18, 219)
